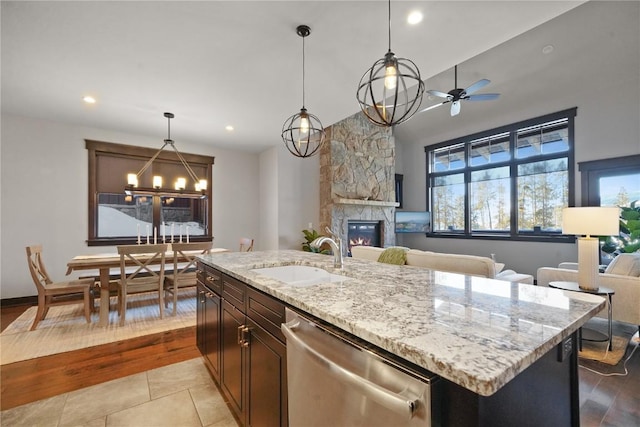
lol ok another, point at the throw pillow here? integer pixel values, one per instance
(625, 265)
(396, 256)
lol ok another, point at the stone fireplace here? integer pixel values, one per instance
(357, 178)
(364, 233)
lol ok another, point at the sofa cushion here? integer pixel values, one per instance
(371, 253)
(625, 265)
(396, 256)
(465, 264)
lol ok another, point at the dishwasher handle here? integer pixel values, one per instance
(389, 399)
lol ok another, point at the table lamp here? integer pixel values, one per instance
(588, 221)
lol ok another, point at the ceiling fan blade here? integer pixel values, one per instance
(455, 108)
(476, 86)
(483, 97)
(431, 107)
(439, 94)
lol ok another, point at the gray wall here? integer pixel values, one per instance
(595, 66)
(44, 195)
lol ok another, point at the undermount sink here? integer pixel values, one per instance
(299, 275)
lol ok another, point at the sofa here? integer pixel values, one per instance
(454, 263)
(622, 275)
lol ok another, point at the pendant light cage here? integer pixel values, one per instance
(390, 92)
(303, 133)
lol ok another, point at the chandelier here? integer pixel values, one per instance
(180, 186)
(302, 133)
(385, 93)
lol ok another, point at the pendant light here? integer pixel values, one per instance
(302, 133)
(179, 190)
(386, 94)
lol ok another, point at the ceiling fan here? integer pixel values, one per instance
(454, 96)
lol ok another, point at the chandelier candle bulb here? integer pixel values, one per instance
(171, 232)
(180, 233)
(187, 234)
(203, 184)
(132, 179)
(147, 234)
(157, 181)
(155, 235)
(138, 226)
(163, 233)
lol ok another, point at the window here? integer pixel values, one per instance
(116, 218)
(509, 182)
(610, 182)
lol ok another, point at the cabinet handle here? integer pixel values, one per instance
(240, 328)
(201, 293)
(209, 279)
(198, 271)
(245, 340)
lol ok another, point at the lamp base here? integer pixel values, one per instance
(588, 263)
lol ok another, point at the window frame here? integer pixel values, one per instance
(512, 163)
(129, 152)
(592, 171)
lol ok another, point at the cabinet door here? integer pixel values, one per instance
(267, 375)
(212, 332)
(200, 323)
(233, 358)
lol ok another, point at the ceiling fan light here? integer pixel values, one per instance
(455, 108)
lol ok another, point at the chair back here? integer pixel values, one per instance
(185, 257)
(246, 244)
(36, 267)
(143, 257)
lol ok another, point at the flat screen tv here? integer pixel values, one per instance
(413, 222)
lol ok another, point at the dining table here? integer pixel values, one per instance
(104, 263)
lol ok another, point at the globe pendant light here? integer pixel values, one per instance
(386, 94)
(302, 133)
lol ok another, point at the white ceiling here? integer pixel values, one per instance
(218, 63)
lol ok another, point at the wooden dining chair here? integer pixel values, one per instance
(147, 274)
(184, 269)
(246, 244)
(56, 293)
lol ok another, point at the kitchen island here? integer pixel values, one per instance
(477, 334)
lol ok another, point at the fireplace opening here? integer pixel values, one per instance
(364, 233)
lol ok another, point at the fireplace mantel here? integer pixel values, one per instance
(365, 202)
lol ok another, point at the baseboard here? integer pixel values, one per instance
(12, 302)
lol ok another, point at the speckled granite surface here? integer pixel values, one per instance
(479, 333)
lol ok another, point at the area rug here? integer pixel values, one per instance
(65, 328)
(598, 350)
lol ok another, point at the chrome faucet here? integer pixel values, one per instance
(335, 244)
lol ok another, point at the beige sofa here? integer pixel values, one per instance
(464, 264)
(625, 301)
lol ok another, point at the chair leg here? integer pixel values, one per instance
(161, 298)
(40, 313)
(175, 298)
(123, 305)
(87, 305)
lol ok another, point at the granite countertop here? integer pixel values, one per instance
(478, 333)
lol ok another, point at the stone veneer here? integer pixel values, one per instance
(357, 177)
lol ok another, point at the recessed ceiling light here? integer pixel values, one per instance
(229, 128)
(89, 99)
(547, 49)
(414, 17)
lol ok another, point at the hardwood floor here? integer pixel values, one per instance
(605, 400)
(35, 379)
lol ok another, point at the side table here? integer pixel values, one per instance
(602, 291)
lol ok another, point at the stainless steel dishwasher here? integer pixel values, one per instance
(335, 382)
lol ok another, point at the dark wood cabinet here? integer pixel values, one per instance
(248, 346)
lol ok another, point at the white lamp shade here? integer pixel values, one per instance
(591, 220)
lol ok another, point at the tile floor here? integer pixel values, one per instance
(182, 395)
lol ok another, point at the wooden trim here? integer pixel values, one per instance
(145, 152)
(13, 302)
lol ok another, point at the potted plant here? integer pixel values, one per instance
(628, 239)
(310, 236)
